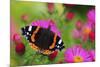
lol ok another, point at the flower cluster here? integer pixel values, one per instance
(86, 30)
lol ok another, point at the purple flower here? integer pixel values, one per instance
(91, 15)
(46, 24)
(77, 54)
(92, 53)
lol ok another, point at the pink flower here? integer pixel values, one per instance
(77, 54)
(16, 37)
(70, 15)
(92, 53)
(86, 29)
(46, 24)
(25, 17)
(79, 24)
(50, 7)
(91, 15)
(76, 33)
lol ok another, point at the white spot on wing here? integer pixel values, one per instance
(60, 41)
(27, 33)
(30, 28)
(58, 46)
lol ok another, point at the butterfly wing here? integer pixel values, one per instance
(27, 32)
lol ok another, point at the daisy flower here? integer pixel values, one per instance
(77, 54)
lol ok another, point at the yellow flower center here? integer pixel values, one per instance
(78, 59)
(87, 31)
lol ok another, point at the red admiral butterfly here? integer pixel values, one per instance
(42, 40)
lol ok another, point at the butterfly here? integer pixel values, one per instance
(42, 40)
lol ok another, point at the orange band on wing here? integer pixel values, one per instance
(34, 33)
(34, 47)
(54, 42)
(47, 52)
